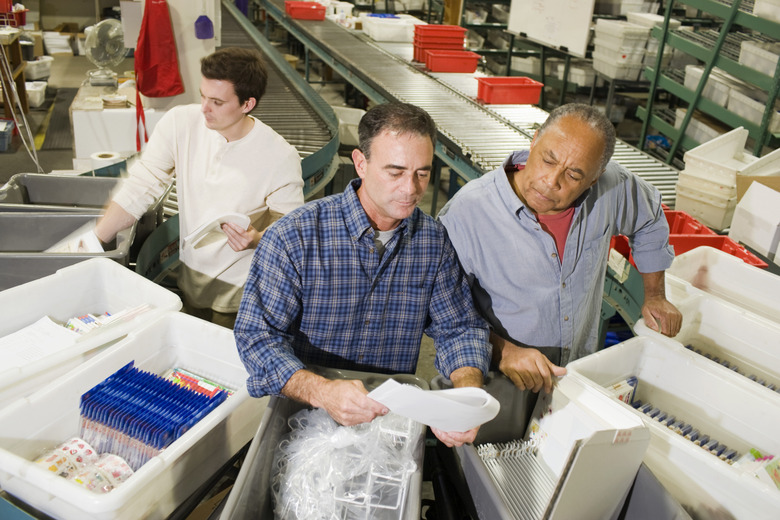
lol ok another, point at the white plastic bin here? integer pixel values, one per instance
(717, 87)
(251, 496)
(715, 211)
(616, 33)
(39, 68)
(761, 56)
(51, 416)
(399, 29)
(751, 104)
(697, 129)
(714, 400)
(619, 56)
(93, 286)
(36, 93)
(349, 118)
(725, 157)
(614, 442)
(769, 9)
(651, 20)
(703, 183)
(726, 276)
(725, 332)
(614, 70)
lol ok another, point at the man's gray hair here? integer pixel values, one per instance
(592, 117)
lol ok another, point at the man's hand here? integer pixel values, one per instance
(528, 368)
(240, 239)
(658, 312)
(346, 401)
(662, 316)
(451, 439)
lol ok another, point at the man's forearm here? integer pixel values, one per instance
(306, 387)
(467, 376)
(654, 284)
(114, 220)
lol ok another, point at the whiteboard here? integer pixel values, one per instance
(560, 24)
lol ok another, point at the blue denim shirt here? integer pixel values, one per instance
(319, 293)
(519, 284)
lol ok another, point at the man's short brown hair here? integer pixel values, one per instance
(244, 68)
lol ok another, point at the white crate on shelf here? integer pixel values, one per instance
(613, 70)
(617, 34)
(723, 158)
(697, 130)
(94, 286)
(621, 56)
(712, 399)
(756, 221)
(703, 183)
(769, 9)
(649, 19)
(712, 210)
(761, 56)
(726, 332)
(529, 65)
(717, 87)
(723, 275)
(751, 104)
(475, 15)
(51, 416)
(349, 118)
(580, 73)
(500, 12)
(36, 92)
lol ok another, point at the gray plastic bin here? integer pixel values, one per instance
(69, 193)
(251, 495)
(25, 235)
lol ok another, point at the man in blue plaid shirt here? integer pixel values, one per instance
(353, 280)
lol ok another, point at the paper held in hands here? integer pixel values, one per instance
(451, 410)
(213, 229)
(83, 240)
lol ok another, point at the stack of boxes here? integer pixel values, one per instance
(437, 37)
(619, 48)
(707, 187)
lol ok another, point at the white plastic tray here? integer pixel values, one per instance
(729, 333)
(714, 400)
(729, 278)
(93, 286)
(51, 416)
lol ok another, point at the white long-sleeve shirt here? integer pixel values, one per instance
(255, 174)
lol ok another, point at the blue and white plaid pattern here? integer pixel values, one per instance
(317, 293)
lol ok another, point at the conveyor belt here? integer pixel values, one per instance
(290, 106)
(475, 138)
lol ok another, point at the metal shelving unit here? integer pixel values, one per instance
(716, 48)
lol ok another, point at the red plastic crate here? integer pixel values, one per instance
(451, 61)
(503, 90)
(439, 30)
(681, 223)
(6, 6)
(684, 243)
(300, 10)
(14, 19)
(419, 51)
(438, 41)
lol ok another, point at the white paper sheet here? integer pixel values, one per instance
(211, 231)
(34, 342)
(451, 410)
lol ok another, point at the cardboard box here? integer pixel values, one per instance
(744, 182)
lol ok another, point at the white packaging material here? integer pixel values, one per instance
(769, 9)
(50, 416)
(723, 275)
(761, 56)
(36, 93)
(711, 398)
(756, 221)
(751, 104)
(726, 333)
(94, 286)
(723, 158)
(349, 118)
(711, 210)
(697, 130)
(39, 68)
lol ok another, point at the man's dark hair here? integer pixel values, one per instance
(592, 117)
(402, 118)
(244, 68)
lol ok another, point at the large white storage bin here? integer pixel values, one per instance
(714, 400)
(51, 416)
(756, 221)
(94, 286)
(728, 333)
(725, 276)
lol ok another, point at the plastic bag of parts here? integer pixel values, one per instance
(324, 471)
